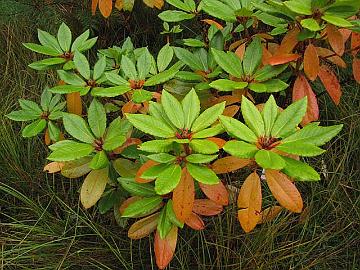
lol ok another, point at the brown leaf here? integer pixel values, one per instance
(229, 100)
(165, 248)
(330, 56)
(195, 222)
(148, 164)
(220, 142)
(284, 191)
(73, 103)
(53, 167)
(301, 89)
(105, 7)
(143, 227)
(217, 193)
(335, 39)
(205, 207)
(184, 196)
(269, 214)
(266, 56)
(212, 22)
(311, 62)
(282, 59)
(231, 110)
(240, 51)
(130, 107)
(346, 33)
(289, 42)
(356, 69)
(249, 202)
(304, 215)
(331, 83)
(355, 43)
(47, 139)
(229, 164)
(94, 4)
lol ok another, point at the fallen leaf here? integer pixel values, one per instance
(231, 110)
(94, 4)
(240, 51)
(47, 139)
(355, 43)
(330, 56)
(289, 42)
(212, 22)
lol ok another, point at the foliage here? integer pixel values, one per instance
(150, 139)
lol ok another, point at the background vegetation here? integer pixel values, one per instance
(42, 225)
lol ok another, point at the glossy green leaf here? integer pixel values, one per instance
(200, 158)
(175, 16)
(252, 57)
(97, 118)
(162, 157)
(299, 170)
(164, 57)
(76, 126)
(300, 148)
(240, 149)
(82, 65)
(237, 129)
(229, 62)
(64, 37)
(269, 160)
(137, 189)
(69, 150)
(208, 117)
(150, 125)
(142, 206)
(173, 109)
(227, 85)
(252, 117)
(203, 146)
(269, 114)
(99, 161)
(168, 179)
(34, 128)
(202, 174)
(191, 108)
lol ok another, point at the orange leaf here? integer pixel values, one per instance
(148, 164)
(53, 167)
(355, 43)
(330, 56)
(335, 39)
(119, 4)
(301, 89)
(130, 107)
(282, 59)
(212, 22)
(289, 42)
(206, 207)
(356, 69)
(346, 33)
(220, 142)
(195, 222)
(311, 62)
(249, 202)
(165, 248)
(158, 3)
(47, 139)
(269, 214)
(217, 193)
(127, 202)
(105, 7)
(229, 100)
(284, 191)
(143, 227)
(266, 56)
(129, 141)
(73, 103)
(240, 51)
(184, 196)
(231, 110)
(94, 4)
(229, 164)
(331, 83)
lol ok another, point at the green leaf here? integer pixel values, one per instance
(252, 56)
(240, 149)
(191, 108)
(129, 68)
(314, 134)
(219, 10)
(34, 128)
(154, 171)
(49, 40)
(203, 146)
(142, 207)
(164, 224)
(69, 150)
(164, 57)
(289, 119)
(267, 72)
(76, 168)
(88, 44)
(299, 170)
(301, 149)
(338, 21)
(157, 146)
(202, 174)
(99, 161)
(209, 132)
(162, 157)
(140, 96)
(66, 89)
(237, 129)
(77, 127)
(54, 131)
(150, 125)
(310, 24)
(208, 117)
(175, 16)
(71, 78)
(79, 41)
(188, 58)
(173, 109)
(44, 64)
(269, 114)
(82, 65)
(116, 79)
(170, 214)
(227, 85)
(99, 68)
(64, 37)
(22, 115)
(116, 133)
(200, 158)
(144, 64)
(30, 106)
(109, 201)
(168, 179)
(252, 117)
(192, 42)
(299, 6)
(46, 98)
(180, 5)
(125, 167)
(269, 160)
(229, 62)
(137, 189)
(41, 49)
(110, 91)
(161, 77)
(274, 85)
(97, 118)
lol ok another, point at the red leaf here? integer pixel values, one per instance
(301, 89)
(266, 56)
(207, 207)
(165, 248)
(282, 59)
(356, 69)
(105, 7)
(289, 42)
(331, 83)
(335, 39)
(195, 222)
(217, 193)
(184, 196)
(311, 62)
